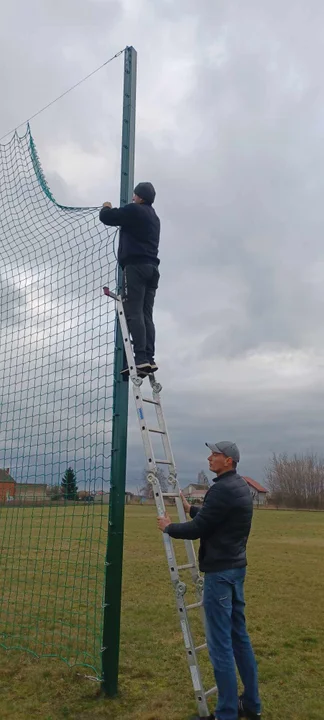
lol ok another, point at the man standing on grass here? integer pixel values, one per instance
(223, 525)
(138, 258)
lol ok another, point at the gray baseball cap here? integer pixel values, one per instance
(225, 447)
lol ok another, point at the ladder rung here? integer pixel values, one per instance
(186, 567)
(170, 494)
(152, 402)
(163, 462)
(110, 293)
(194, 605)
(156, 430)
(211, 691)
(201, 647)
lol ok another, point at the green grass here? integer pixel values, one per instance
(51, 581)
(285, 612)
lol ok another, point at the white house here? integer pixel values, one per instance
(195, 492)
(258, 492)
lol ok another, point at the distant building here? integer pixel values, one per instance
(31, 492)
(7, 486)
(258, 492)
(85, 496)
(129, 497)
(195, 492)
(102, 497)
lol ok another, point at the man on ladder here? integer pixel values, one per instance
(223, 525)
(138, 258)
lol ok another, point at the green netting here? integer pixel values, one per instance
(56, 388)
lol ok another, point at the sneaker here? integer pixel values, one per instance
(244, 712)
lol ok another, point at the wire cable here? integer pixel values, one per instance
(63, 94)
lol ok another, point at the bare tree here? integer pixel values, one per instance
(147, 489)
(202, 479)
(54, 492)
(296, 482)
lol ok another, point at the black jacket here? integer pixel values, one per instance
(139, 232)
(223, 524)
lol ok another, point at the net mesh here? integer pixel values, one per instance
(56, 390)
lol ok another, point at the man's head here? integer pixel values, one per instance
(144, 193)
(224, 456)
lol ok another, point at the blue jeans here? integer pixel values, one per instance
(229, 643)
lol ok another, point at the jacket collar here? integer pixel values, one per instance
(229, 473)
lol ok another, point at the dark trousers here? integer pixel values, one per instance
(140, 283)
(229, 643)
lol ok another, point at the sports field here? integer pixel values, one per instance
(285, 611)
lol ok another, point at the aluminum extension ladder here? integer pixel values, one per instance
(179, 586)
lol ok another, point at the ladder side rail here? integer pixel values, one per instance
(179, 587)
(190, 550)
(173, 477)
(126, 339)
(180, 590)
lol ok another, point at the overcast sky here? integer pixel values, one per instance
(230, 129)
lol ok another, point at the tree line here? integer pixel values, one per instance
(293, 481)
(145, 489)
(68, 489)
(297, 481)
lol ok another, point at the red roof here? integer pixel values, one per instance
(255, 485)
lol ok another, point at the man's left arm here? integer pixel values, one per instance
(204, 523)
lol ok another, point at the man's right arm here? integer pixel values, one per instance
(212, 513)
(194, 509)
(116, 217)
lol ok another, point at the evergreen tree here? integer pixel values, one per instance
(69, 486)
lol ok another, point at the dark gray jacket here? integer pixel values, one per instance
(139, 233)
(223, 524)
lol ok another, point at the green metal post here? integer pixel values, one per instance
(115, 542)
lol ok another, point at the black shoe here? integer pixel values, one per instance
(154, 366)
(245, 713)
(143, 369)
(204, 717)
